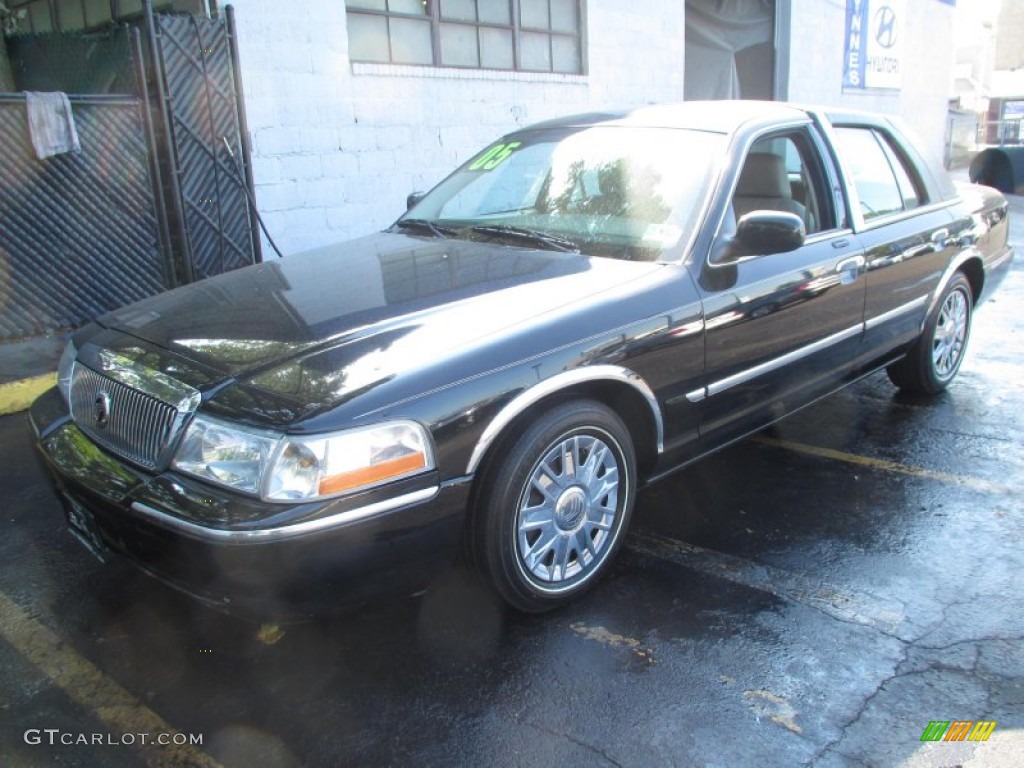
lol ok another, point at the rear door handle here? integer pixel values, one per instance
(940, 237)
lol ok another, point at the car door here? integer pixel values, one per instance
(780, 329)
(905, 233)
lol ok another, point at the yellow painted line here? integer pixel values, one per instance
(18, 395)
(89, 688)
(883, 464)
(862, 608)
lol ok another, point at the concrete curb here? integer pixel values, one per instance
(18, 395)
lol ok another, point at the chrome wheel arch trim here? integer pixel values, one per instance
(557, 383)
(954, 266)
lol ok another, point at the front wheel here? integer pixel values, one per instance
(554, 508)
(930, 365)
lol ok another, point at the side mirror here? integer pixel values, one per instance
(413, 199)
(767, 232)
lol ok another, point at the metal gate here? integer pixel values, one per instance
(198, 88)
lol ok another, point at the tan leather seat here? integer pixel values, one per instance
(764, 186)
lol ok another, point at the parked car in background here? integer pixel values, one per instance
(585, 306)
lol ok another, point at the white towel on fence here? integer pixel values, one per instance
(51, 124)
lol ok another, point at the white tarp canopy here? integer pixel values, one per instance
(729, 49)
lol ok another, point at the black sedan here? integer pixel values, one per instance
(586, 306)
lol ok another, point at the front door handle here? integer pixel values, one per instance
(852, 264)
(849, 269)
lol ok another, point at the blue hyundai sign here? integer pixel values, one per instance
(853, 62)
(873, 54)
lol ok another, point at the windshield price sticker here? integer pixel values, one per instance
(495, 156)
(664, 235)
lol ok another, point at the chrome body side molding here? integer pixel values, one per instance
(774, 364)
(892, 314)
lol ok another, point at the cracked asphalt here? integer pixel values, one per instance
(813, 596)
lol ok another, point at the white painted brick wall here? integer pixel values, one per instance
(337, 146)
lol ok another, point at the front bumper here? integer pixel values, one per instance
(247, 556)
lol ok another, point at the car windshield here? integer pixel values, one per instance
(619, 191)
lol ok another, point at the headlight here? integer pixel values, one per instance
(328, 465)
(65, 370)
(224, 454)
(286, 468)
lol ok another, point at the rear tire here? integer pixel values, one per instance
(931, 364)
(554, 506)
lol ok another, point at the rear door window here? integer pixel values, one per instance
(884, 184)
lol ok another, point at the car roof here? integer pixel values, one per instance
(715, 116)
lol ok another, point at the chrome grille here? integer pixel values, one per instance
(130, 423)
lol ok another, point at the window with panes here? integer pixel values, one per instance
(523, 35)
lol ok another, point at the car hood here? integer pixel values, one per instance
(361, 311)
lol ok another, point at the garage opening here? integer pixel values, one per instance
(730, 49)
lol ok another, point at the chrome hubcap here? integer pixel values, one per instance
(950, 335)
(570, 508)
(567, 512)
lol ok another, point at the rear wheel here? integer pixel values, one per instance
(932, 363)
(555, 506)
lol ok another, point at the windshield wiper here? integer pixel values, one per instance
(428, 226)
(522, 233)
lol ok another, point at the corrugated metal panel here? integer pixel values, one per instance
(78, 232)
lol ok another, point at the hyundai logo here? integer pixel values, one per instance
(885, 27)
(101, 409)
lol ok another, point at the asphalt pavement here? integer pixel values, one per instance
(817, 595)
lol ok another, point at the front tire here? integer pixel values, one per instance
(932, 363)
(553, 510)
